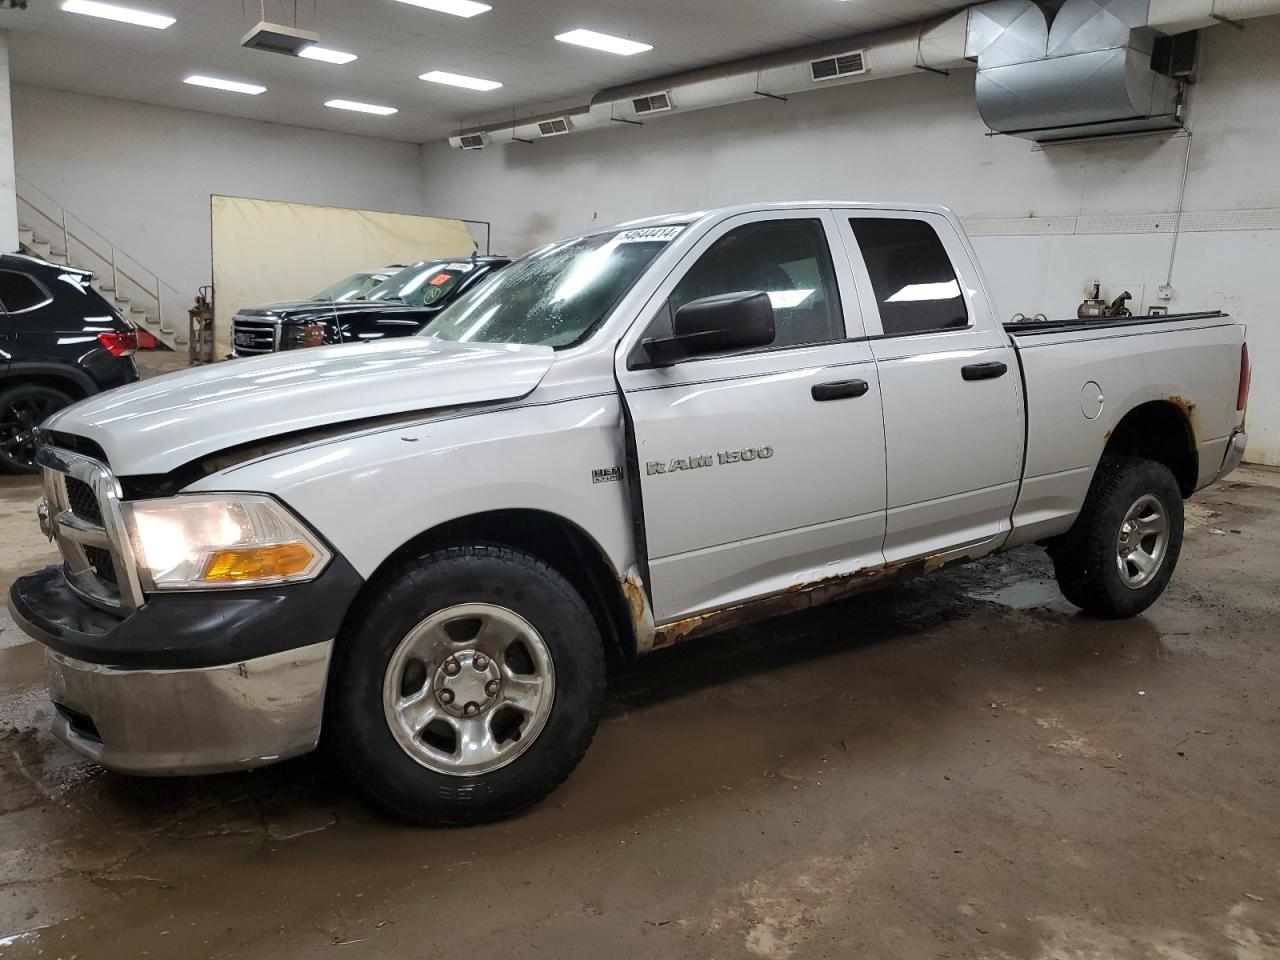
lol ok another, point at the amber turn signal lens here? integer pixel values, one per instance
(257, 563)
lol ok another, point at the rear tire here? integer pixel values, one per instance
(501, 654)
(23, 408)
(1118, 556)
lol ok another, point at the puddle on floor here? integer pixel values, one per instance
(1026, 595)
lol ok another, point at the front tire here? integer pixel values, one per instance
(1118, 556)
(22, 409)
(468, 688)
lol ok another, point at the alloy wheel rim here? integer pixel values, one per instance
(1142, 541)
(18, 423)
(469, 689)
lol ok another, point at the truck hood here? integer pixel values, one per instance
(323, 310)
(158, 425)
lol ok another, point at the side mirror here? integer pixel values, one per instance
(719, 324)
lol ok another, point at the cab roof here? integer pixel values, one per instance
(720, 213)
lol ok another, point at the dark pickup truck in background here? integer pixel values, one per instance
(400, 306)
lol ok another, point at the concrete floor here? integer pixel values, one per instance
(959, 767)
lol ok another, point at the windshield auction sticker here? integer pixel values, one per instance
(651, 234)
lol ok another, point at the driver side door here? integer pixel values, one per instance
(764, 468)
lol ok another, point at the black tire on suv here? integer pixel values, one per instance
(467, 687)
(1118, 556)
(23, 407)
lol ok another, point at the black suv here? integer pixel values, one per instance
(400, 306)
(60, 341)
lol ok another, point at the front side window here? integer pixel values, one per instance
(556, 295)
(20, 292)
(787, 259)
(912, 276)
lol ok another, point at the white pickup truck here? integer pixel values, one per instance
(425, 551)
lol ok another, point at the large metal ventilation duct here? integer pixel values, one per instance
(1050, 70)
(1178, 16)
(936, 45)
(1085, 71)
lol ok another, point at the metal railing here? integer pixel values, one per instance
(49, 217)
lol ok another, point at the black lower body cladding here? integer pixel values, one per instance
(190, 629)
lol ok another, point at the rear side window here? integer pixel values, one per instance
(911, 274)
(787, 259)
(20, 292)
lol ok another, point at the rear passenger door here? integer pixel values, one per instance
(764, 468)
(953, 411)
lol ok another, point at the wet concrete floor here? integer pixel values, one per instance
(958, 767)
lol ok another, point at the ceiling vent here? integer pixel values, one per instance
(653, 103)
(841, 65)
(553, 128)
(472, 141)
(277, 38)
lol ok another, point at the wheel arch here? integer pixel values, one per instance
(552, 538)
(1163, 431)
(72, 381)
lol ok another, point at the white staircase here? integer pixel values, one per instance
(48, 231)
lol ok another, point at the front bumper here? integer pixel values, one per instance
(202, 720)
(188, 683)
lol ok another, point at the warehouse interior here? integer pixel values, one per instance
(961, 765)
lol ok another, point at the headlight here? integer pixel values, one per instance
(220, 540)
(309, 334)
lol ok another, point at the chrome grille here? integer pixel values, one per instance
(83, 501)
(252, 336)
(101, 563)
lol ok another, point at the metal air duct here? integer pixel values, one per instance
(1085, 71)
(935, 46)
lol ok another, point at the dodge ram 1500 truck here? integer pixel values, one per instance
(425, 551)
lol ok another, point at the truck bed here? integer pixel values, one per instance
(1022, 328)
(1080, 377)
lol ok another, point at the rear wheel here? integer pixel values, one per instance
(469, 687)
(1119, 555)
(22, 409)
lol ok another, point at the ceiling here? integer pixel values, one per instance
(513, 43)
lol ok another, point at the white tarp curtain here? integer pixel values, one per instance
(266, 251)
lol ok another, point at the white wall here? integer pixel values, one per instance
(8, 201)
(1046, 221)
(141, 175)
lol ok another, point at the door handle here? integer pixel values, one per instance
(839, 390)
(984, 371)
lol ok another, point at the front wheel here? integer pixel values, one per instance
(1118, 556)
(469, 687)
(22, 409)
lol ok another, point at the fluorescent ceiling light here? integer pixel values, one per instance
(602, 41)
(234, 86)
(458, 80)
(316, 52)
(459, 8)
(361, 107)
(109, 11)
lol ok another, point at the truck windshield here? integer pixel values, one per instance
(422, 284)
(556, 295)
(350, 288)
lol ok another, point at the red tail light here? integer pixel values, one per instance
(120, 344)
(1246, 375)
